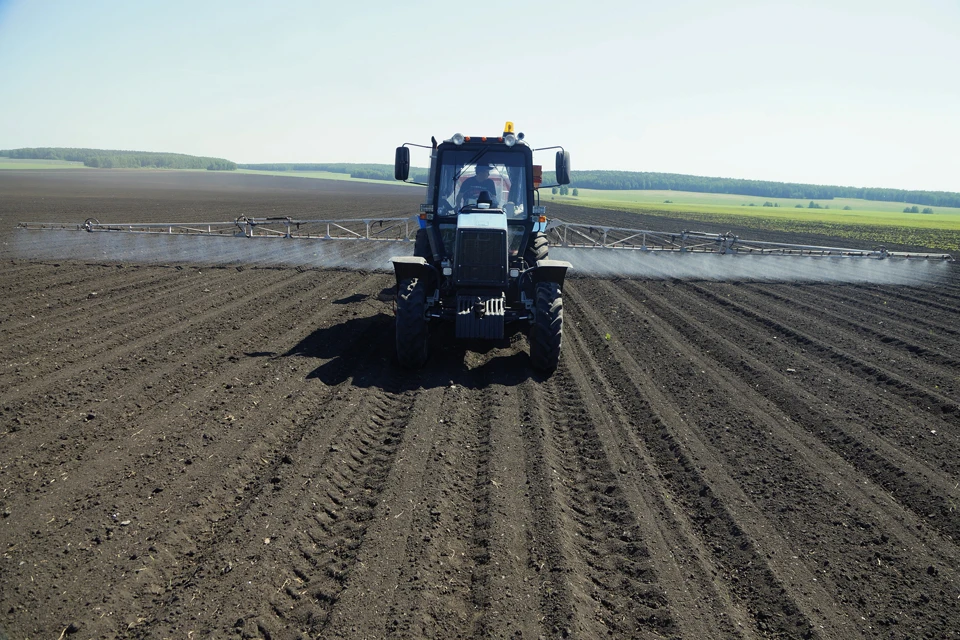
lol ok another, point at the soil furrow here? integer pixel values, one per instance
(455, 541)
(550, 546)
(402, 554)
(514, 593)
(920, 396)
(682, 561)
(830, 510)
(938, 332)
(781, 595)
(69, 300)
(571, 572)
(163, 324)
(69, 341)
(344, 498)
(913, 360)
(33, 281)
(936, 298)
(855, 439)
(486, 571)
(36, 276)
(147, 384)
(612, 555)
(177, 547)
(865, 328)
(304, 511)
(764, 359)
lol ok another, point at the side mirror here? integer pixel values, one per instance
(563, 167)
(401, 165)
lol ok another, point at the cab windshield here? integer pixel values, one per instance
(484, 179)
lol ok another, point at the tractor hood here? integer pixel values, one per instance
(495, 220)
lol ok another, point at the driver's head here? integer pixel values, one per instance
(483, 171)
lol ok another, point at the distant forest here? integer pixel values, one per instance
(354, 170)
(763, 188)
(113, 159)
(613, 180)
(606, 180)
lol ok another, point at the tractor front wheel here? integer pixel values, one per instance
(547, 329)
(412, 331)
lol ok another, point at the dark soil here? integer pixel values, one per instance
(196, 451)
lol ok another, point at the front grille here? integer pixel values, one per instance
(481, 257)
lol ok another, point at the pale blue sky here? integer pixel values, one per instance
(849, 92)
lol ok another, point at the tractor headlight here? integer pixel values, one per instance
(510, 139)
(457, 139)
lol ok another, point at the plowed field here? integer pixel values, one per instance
(192, 451)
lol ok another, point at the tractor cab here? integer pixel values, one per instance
(480, 255)
(495, 183)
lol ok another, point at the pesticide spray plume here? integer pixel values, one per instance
(358, 244)
(660, 265)
(368, 245)
(221, 251)
(691, 255)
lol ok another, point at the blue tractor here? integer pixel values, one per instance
(480, 257)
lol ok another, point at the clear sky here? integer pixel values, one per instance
(849, 92)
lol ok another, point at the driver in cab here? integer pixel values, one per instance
(474, 186)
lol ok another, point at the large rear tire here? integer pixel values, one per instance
(546, 333)
(412, 333)
(537, 249)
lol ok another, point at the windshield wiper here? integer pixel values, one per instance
(471, 161)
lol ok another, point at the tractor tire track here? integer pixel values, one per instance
(780, 595)
(680, 557)
(189, 532)
(302, 570)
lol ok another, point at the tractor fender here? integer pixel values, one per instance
(550, 271)
(406, 267)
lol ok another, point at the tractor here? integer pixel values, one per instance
(480, 257)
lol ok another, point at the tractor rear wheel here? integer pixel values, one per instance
(546, 332)
(537, 249)
(412, 330)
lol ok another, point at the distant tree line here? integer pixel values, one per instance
(114, 159)
(354, 170)
(605, 180)
(763, 188)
